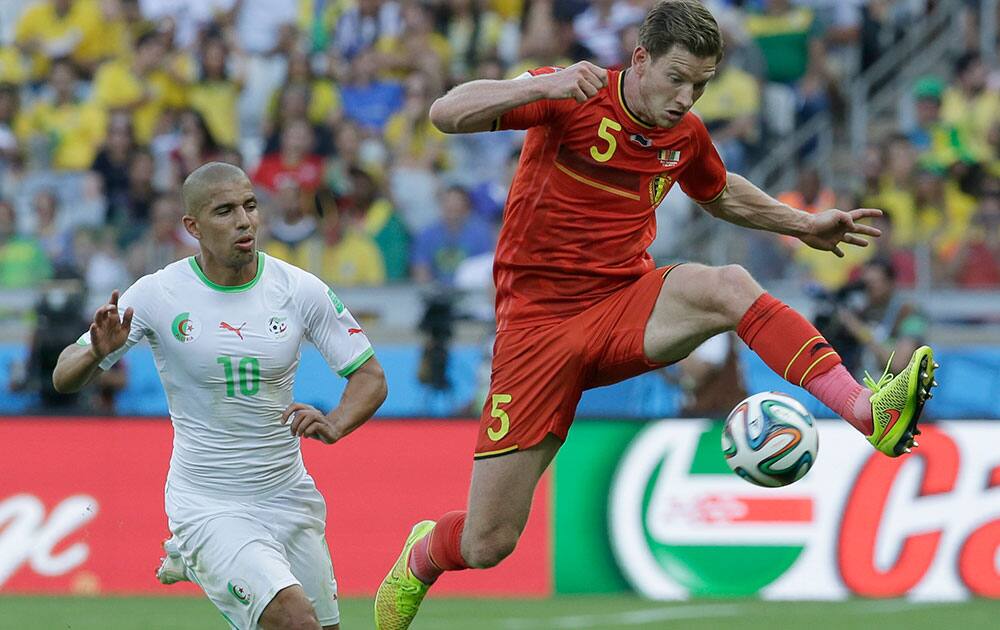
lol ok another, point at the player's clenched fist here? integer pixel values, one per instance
(307, 421)
(107, 331)
(580, 81)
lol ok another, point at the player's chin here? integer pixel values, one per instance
(242, 256)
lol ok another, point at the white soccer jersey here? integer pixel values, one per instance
(227, 358)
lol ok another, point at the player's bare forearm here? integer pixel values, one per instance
(77, 365)
(473, 106)
(745, 205)
(365, 392)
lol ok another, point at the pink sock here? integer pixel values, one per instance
(845, 396)
(421, 564)
(440, 550)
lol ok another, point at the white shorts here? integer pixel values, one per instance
(242, 552)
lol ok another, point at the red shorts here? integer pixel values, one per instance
(539, 374)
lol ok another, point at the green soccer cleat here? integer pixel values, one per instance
(897, 403)
(400, 593)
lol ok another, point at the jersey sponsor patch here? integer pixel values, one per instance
(185, 328)
(337, 304)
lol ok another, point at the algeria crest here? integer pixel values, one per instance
(185, 328)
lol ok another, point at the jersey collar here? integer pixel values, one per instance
(620, 95)
(228, 289)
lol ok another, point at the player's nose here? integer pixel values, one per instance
(685, 97)
(242, 217)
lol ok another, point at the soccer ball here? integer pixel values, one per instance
(770, 439)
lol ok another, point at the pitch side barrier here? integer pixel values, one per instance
(653, 503)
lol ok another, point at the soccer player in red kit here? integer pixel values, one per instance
(579, 301)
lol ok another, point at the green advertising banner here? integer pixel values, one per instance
(652, 507)
(584, 468)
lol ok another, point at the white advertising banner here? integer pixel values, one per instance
(925, 526)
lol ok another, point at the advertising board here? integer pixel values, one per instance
(926, 526)
(81, 505)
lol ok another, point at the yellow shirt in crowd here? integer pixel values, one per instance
(731, 95)
(117, 86)
(76, 34)
(416, 144)
(324, 101)
(218, 102)
(973, 118)
(354, 261)
(75, 131)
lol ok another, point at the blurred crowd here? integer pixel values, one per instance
(937, 180)
(106, 105)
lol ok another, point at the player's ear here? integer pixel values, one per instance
(640, 57)
(191, 225)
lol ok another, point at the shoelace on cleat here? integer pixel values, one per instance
(407, 605)
(874, 385)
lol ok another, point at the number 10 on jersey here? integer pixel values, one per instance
(247, 371)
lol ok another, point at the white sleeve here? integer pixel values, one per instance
(139, 297)
(331, 327)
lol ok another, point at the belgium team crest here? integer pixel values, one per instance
(658, 187)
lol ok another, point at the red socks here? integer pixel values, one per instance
(793, 348)
(441, 550)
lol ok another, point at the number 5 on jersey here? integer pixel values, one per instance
(248, 371)
(604, 133)
(496, 412)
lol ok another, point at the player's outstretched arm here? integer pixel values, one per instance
(473, 106)
(78, 363)
(365, 392)
(744, 204)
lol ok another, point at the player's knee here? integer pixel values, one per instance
(734, 291)
(488, 550)
(289, 610)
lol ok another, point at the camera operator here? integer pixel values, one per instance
(59, 320)
(866, 321)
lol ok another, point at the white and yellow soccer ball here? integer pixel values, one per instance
(770, 439)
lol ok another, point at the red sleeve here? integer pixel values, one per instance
(704, 180)
(533, 114)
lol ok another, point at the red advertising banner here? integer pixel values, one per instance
(81, 505)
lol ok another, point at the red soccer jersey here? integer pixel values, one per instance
(273, 173)
(580, 213)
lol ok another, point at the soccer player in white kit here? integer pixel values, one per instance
(226, 327)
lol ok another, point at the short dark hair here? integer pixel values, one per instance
(966, 61)
(885, 266)
(685, 23)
